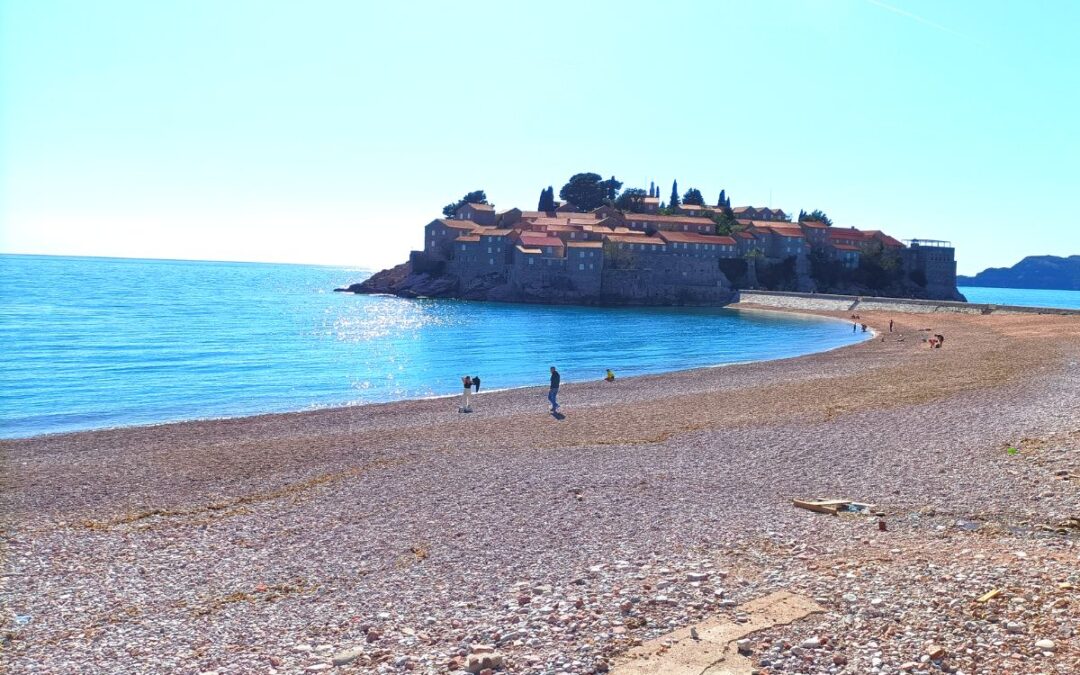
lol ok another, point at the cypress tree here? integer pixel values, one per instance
(720, 202)
(674, 202)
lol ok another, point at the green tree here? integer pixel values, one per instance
(585, 191)
(723, 200)
(673, 203)
(726, 224)
(816, 216)
(693, 196)
(632, 200)
(611, 188)
(474, 197)
(547, 200)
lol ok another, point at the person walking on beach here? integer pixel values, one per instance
(854, 327)
(890, 325)
(476, 384)
(554, 391)
(864, 328)
(467, 383)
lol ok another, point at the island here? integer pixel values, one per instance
(604, 246)
(1046, 272)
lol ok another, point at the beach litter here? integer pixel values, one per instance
(987, 597)
(834, 506)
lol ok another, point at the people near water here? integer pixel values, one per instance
(553, 392)
(940, 339)
(467, 383)
(890, 325)
(854, 327)
(864, 328)
(610, 377)
(476, 384)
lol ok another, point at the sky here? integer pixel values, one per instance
(332, 131)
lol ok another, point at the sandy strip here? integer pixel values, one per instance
(414, 532)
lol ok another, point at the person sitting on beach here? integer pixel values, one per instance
(864, 328)
(940, 339)
(610, 377)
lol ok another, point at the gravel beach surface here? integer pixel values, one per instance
(409, 537)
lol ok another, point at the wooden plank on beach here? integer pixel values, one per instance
(815, 506)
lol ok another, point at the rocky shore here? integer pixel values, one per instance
(410, 538)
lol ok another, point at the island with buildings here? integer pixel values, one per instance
(640, 251)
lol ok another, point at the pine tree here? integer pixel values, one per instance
(720, 202)
(674, 201)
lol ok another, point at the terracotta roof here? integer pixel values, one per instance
(649, 217)
(845, 247)
(812, 223)
(741, 209)
(695, 238)
(650, 200)
(493, 232)
(845, 233)
(626, 239)
(532, 240)
(787, 231)
(533, 214)
(745, 235)
(627, 231)
(883, 238)
(458, 224)
(564, 228)
(468, 237)
(530, 251)
(481, 207)
(585, 244)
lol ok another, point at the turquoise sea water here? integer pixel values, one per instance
(1026, 297)
(98, 342)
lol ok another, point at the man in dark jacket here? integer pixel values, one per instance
(476, 383)
(554, 391)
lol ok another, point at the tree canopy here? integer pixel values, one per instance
(632, 200)
(547, 200)
(817, 215)
(726, 224)
(724, 200)
(474, 197)
(587, 191)
(673, 203)
(693, 196)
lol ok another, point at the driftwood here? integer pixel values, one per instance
(832, 506)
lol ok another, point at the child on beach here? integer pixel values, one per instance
(610, 377)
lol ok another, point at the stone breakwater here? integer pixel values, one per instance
(408, 537)
(859, 303)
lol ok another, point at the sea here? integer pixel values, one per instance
(92, 343)
(1026, 297)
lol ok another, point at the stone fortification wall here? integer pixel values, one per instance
(850, 303)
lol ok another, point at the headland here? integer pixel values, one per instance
(406, 536)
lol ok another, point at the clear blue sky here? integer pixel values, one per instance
(331, 131)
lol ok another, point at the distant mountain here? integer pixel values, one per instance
(1034, 271)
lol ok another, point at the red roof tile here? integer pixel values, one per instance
(482, 207)
(649, 217)
(534, 240)
(695, 238)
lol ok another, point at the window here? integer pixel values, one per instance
(590, 265)
(531, 260)
(463, 247)
(581, 266)
(489, 249)
(491, 261)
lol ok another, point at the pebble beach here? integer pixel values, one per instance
(409, 537)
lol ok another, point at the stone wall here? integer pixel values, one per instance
(854, 303)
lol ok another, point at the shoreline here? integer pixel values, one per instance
(405, 530)
(360, 405)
